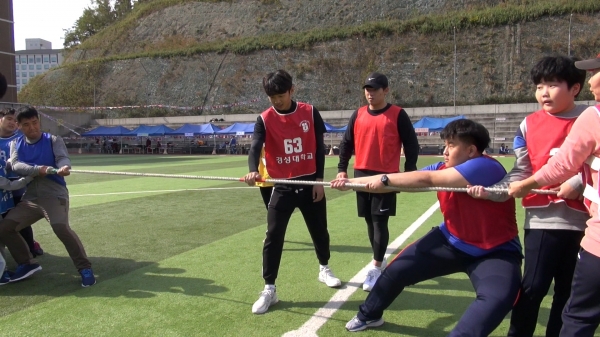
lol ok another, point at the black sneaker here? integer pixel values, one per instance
(24, 271)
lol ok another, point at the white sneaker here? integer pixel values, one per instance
(326, 276)
(372, 276)
(267, 298)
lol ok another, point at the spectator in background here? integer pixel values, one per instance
(148, 144)
(233, 146)
(503, 149)
(114, 146)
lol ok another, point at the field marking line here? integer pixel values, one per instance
(160, 191)
(321, 316)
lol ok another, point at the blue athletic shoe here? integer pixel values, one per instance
(87, 278)
(356, 324)
(6, 277)
(24, 271)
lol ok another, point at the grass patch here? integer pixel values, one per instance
(188, 263)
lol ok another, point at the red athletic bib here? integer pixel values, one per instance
(290, 142)
(376, 140)
(482, 223)
(545, 134)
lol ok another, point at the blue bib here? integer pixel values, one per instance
(39, 153)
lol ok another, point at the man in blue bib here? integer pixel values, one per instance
(36, 154)
(8, 133)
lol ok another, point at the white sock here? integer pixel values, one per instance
(269, 287)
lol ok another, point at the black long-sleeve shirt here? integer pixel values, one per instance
(408, 137)
(258, 139)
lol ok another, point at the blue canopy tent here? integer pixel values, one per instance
(342, 129)
(150, 131)
(329, 128)
(194, 129)
(147, 131)
(236, 128)
(189, 130)
(435, 124)
(107, 131)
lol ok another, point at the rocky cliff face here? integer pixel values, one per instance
(202, 21)
(492, 64)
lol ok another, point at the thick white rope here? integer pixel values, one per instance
(299, 182)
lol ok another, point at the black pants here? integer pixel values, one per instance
(550, 254)
(581, 315)
(376, 208)
(265, 193)
(284, 200)
(496, 278)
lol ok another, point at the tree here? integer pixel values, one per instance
(122, 8)
(95, 18)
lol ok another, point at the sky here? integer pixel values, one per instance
(45, 19)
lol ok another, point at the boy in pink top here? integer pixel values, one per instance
(581, 315)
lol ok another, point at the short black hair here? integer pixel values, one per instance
(467, 131)
(558, 68)
(277, 83)
(7, 111)
(27, 112)
(3, 85)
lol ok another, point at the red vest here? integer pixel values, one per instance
(545, 134)
(376, 140)
(290, 142)
(482, 223)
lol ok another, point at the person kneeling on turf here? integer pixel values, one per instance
(478, 237)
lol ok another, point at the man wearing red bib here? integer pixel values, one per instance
(376, 133)
(292, 134)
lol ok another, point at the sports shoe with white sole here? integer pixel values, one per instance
(267, 298)
(24, 271)
(372, 276)
(326, 276)
(356, 324)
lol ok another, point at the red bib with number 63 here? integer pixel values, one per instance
(290, 143)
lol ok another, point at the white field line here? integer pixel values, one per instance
(319, 318)
(159, 191)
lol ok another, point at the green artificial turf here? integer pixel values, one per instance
(177, 257)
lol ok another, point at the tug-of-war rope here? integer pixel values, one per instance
(300, 182)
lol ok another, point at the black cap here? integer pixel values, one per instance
(590, 64)
(376, 81)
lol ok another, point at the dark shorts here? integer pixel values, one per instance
(376, 203)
